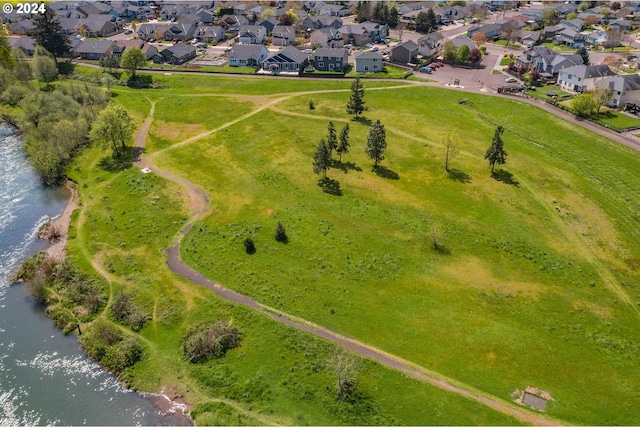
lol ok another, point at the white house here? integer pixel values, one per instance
(368, 62)
(583, 78)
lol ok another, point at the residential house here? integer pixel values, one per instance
(22, 27)
(550, 31)
(97, 26)
(209, 33)
(252, 34)
(181, 30)
(94, 49)
(491, 31)
(528, 38)
(404, 53)
(574, 24)
(247, 55)
(172, 12)
(327, 37)
(335, 10)
(369, 62)
(149, 51)
(460, 40)
(205, 16)
(597, 38)
(355, 34)
(583, 78)
(26, 44)
(547, 62)
(121, 45)
(322, 21)
(283, 35)
(408, 7)
(176, 54)
(149, 32)
(288, 60)
(269, 24)
(624, 89)
(377, 32)
(621, 24)
(330, 59)
(431, 45)
(233, 22)
(571, 38)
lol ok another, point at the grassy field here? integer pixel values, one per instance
(278, 375)
(535, 257)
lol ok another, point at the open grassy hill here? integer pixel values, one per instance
(537, 283)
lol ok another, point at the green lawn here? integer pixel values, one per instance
(541, 92)
(525, 290)
(222, 69)
(617, 120)
(506, 61)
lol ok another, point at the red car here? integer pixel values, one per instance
(437, 64)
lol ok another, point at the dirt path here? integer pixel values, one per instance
(199, 207)
(58, 249)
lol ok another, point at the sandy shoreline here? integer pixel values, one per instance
(173, 409)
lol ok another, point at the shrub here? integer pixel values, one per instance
(311, 105)
(249, 246)
(125, 311)
(280, 234)
(202, 342)
(14, 94)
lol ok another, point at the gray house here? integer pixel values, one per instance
(430, 45)
(247, 55)
(283, 35)
(330, 59)
(288, 60)
(404, 52)
(326, 37)
(94, 49)
(252, 34)
(176, 54)
(369, 62)
(583, 78)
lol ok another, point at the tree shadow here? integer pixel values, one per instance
(442, 249)
(66, 68)
(459, 176)
(506, 177)
(140, 81)
(122, 162)
(386, 173)
(330, 186)
(362, 120)
(345, 166)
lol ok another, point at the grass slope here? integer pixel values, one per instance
(540, 281)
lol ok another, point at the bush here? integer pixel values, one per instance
(249, 246)
(311, 105)
(14, 94)
(125, 311)
(280, 234)
(202, 342)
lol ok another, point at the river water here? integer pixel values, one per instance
(45, 378)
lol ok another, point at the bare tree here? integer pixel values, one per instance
(601, 95)
(614, 37)
(451, 150)
(346, 366)
(435, 235)
(509, 31)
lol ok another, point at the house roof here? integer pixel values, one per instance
(409, 46)
(368, 55)
(25, 43)
(289, 54)
(589, 71)
(179, 50)
(96, 22)
(431, 37)
(624, 83)
(245, 51)
(281, 29)
(333, 53)
(94, 46)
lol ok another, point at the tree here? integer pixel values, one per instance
(343, 145)
(345, 365)
(450, 50)
(113, 127)
(322, 159)
(44, 67)
(584, 54)
(426, 22)
(451, 149)
(48, 33)
(479, 38)
(509, 31)
(356, 106)
(615, 5)
(614, 37)
(267, 14)
(109, 62)
(107, 80)
(377, 15)
(132, 59)
(463, 53)
(495, 153)
(601, 95)
(550, 16)
(393, 18)
(612, 61)
(288, 18)
(475, 55)
(571, 15)
(376, 143)
(280, 235)
(591, 20)
(332, 139)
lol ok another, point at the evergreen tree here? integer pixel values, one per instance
(584, 53)
(377, 13)
(393, 18)
(356, 106)
(376, 142)
(495, 153)
(322, 159)
(332, 139)
(343, 145)
(48, 33)
(280, 234)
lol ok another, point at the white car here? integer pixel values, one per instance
(510, 80)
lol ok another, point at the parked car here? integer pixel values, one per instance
(128, 31)
(374, 49)
(437, 64)
(427, 70)
(228, 49)
(510, 80)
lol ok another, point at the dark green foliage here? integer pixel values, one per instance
(322, 159)
(495, 153)
(426, 22)
(281, 235)
(584, 54)
(249, 246)
(105, 343)
(109, 62)
(48, 33)
(29, 267)
(343, 144)
(376, 143)
(332, 139)
(355, 105)
(311, 104)
(394, 18)
(125, 311)
(113, 128)
(132, 59)
(202, 342)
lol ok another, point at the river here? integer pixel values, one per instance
(45, 378)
